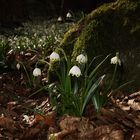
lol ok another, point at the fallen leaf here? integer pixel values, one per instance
(8, 124)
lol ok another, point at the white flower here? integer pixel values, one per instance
(115, 60)
(68, 15)
(59, 19)
(54, 57)
(18, 66)
(81, 59)
(36, 72)
(75, 71)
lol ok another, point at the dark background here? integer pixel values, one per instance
(16, 11)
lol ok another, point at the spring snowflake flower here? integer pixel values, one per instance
(68, 15)
(116, 60)
(36, 72)
(75, 71)
(54, 57)
(59, 19)
(81, 59)
(18, 66)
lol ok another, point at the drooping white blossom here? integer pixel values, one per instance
(37, 72)
(69, 15)
(54, 57)
(75, 71)
(82, 59)
(115, 60)
(59, 19)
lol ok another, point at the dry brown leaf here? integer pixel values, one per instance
(108, 132)
(10, 105)
(34, 131)
(31, 132)
(59, 135)
(136, 135)
(75, 123)
(48, 119)
(118, 116)
(69, 123)
(8, 124)
(134, 94)
(73, 128)
(133, 104)
(137, 121)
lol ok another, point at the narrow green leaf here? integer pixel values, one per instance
(98, 66)
(97, 103)
(91, 92)
(75, 86)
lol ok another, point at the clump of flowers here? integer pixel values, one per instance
(76, 86)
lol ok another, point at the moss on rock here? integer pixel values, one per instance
(113, 27)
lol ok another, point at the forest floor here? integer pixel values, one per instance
(21, 107)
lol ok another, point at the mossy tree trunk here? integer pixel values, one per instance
(111, 28)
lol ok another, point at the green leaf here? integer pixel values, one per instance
(97, 102)
(94, 58)
(75, 85)
(91, 92)
(98, 66)
(120, 87)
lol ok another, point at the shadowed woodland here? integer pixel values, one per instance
(15, 12)
(69, 69)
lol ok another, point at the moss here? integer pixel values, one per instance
(135, 28)
(109, 26)
(85, 39)
(69, 39)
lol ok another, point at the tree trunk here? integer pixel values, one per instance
(111, 28)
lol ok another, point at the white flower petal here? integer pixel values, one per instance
(75, 71)
(54, 57)
(81, 59)
(36, 72)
